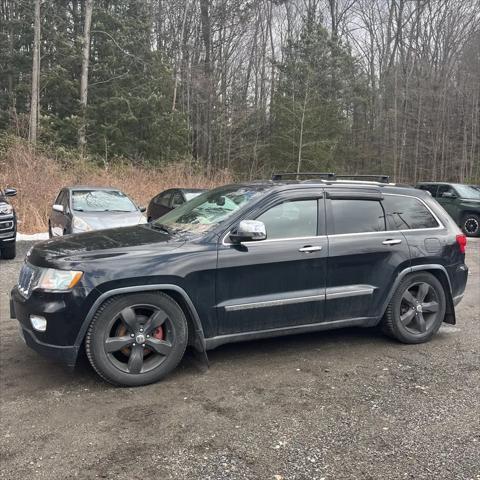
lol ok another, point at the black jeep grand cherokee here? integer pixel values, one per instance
(243, 262)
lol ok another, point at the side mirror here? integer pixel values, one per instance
(249, 231)
(10, 192)
(58, 208)
(142, 209)
(448, 195)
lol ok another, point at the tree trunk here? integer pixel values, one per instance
(35, 100)
(82, 140)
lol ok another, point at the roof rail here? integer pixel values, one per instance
(279, 176)
(378, 178)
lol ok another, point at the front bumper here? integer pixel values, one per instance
(63, 354)
(8, 229)
(64, 313)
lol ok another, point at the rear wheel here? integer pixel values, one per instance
(471, 225)
(137, 339)
(417, 309)
(9, 251)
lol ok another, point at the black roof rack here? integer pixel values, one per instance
(375, 178)
(279, 176)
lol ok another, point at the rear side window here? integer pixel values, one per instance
(357, 216)
(164, 199)
(429, 188)
(407, 213)
(291, 219)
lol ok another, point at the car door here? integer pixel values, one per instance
(278, 282)
(447, 197)
(56, 218)
(364, 257)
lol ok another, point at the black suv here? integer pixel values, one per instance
(8, 225)
(243, 262)
(462, 202)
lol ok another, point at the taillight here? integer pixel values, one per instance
(462, 242)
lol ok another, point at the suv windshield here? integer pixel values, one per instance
(101, 201)
(209, 209)
(466, 191)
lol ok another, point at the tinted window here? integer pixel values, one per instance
(291, 219)
(404, 213)
(430, 188)
(357, 216)
(163, 199)
(445, 189)
(177, 199)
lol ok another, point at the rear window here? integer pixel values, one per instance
(357, 216)
(407, 213)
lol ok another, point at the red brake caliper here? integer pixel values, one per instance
(158, 333)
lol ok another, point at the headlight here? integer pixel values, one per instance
(6, 208)
(80, 225)
(52, 279)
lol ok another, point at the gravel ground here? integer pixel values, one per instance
(347, 404)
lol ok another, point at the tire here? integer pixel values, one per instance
(136, 339)
(471, 225)
(9, 252)
(404, 320)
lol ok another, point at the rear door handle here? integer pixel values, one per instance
(392, 241)
(309, 249)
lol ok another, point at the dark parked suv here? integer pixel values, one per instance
(243, 262)
(462, 202)
(8, 225)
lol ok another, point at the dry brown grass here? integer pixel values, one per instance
(39, 177)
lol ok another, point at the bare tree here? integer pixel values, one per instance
(84, 75)
(35, 97)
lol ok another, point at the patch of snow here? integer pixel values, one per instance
(33, 237)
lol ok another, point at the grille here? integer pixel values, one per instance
(6, 225)
(28, 279)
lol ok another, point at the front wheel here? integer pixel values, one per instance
(137, 339)
(417, 309)
(471, 225)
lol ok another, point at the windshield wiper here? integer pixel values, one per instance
(162, 227)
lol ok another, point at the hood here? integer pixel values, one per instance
(102, 220)
(139, 239)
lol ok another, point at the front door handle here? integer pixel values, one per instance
(392, 241)
(309, 249)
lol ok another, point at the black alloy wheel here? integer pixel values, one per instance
(419, 308)
(416, 310)
(136, 339)
(471, 225)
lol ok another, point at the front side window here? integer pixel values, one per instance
(406, 213)
(430, 188)
(209, 209)
(177, 199)
(445, 189)
(357, 216)
(297, 218)
(101, 201)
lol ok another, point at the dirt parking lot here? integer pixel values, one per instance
(346, 404)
